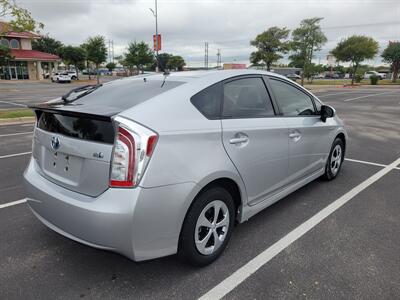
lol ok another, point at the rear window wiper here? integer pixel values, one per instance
(79, 92)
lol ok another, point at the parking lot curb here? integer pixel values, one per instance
(15, 121)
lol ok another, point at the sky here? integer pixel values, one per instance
(228, 25)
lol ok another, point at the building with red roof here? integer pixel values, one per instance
(25, 63)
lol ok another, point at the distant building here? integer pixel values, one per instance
(233, 66)
(25, 62)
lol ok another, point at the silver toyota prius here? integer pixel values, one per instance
(160, 164)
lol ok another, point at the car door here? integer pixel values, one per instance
(308, 136)
(254, 137)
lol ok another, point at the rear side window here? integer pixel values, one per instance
(291, 100)
(77, 127)
(246, 98)
(208, 101)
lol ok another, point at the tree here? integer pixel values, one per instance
(5, 55)
(306, 39)
(20, 18)
(392, 55)
(139, 55)
(48, 45)
(111, 66)
(74, 56)
(355, 49)
(270, 45)
(176, 62)
(163, 59)
(96, 52)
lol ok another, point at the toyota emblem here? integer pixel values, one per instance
(55, 142)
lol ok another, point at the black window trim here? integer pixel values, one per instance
(269, 77)
(231, 79)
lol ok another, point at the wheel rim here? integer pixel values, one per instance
(336, 159)
(212, 227)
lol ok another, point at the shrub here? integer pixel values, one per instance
(374, 79)
(358, 78)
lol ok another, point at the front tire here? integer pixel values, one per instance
(335, 160)
(207, 227)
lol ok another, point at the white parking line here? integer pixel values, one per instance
(231, 282)
(366, 96)
(342, 93)
(13, 103)
(368, 163)
(12, 134)
(12, 203)
(14, 155)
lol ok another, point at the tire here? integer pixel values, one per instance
(335, 160)
(202, 254)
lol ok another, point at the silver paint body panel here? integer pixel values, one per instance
(192, 151)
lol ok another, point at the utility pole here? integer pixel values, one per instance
(219, 58)
(206, 55)
(113, 51)
(155, 14)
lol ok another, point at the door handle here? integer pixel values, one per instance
(294, 135)
(239, 140)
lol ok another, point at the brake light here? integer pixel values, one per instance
(133, 148)
(123, 163)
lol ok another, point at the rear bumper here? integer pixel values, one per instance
(138, 223)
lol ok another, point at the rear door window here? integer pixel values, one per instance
(292, 101)
(247, 98)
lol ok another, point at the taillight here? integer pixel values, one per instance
(134, 145)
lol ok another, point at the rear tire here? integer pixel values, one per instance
(207, 227)
(335, 160)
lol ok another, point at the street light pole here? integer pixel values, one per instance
(155, 14)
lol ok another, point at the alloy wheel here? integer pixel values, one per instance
(212, 227)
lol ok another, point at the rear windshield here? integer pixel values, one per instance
(124, 94)
(77, 127)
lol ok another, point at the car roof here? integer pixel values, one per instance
(187, 76)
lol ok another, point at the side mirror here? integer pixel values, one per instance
(327, 112)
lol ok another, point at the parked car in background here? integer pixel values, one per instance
(155, 165)
(319, 76)
(88, 71)
(293, 76)
(72, 74)
(368, 74)
(60, 77)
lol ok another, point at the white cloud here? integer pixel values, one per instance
(228, 25)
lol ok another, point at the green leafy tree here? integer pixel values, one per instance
(74, 56)
(139, 54)
(306, 40)
(391, 55)
(270, 44)
(163, 59)
(111, 66)
(5, 55)
(176, 62)
(20, 18)
(355, 49)
(48, 45)
(96, 52)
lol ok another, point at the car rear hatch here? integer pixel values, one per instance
(74, 150)
(74, 136)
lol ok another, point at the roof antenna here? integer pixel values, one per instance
(165, 72)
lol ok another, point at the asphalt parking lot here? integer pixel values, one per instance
(328, 240)
(19, 94)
